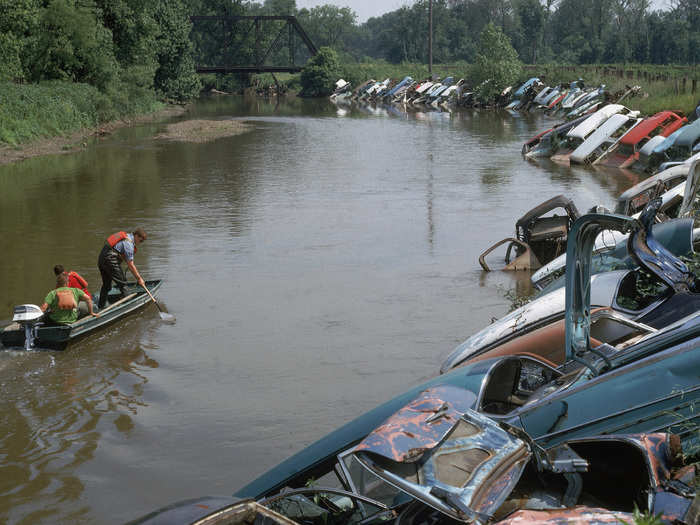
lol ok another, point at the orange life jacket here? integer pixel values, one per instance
(113, 239)
(76, 281)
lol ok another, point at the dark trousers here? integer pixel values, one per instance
(110, 270)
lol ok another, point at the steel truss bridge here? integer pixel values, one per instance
(245, 44)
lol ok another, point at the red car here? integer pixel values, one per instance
(626, 151)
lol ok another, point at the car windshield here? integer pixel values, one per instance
(367, 484)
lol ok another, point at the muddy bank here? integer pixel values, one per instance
(80, 139)
(203, 130)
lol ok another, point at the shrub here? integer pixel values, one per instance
(496, 66)
(320, 74)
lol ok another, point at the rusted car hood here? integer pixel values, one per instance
(445, 455)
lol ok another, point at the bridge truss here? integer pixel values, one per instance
(250, 44)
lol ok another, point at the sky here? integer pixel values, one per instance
(369, 8)
(364, 8)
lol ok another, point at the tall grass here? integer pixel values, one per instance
(32, 111)
(662, 87)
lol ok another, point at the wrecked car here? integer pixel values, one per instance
(539, 237)
(679, 145)
(626, 152)
(668, 185)
(602, 138)
(548, 142)
(577, 135)
(619, 310)
(475, 469)
(438, 461)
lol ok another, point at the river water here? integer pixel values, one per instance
(317, 265)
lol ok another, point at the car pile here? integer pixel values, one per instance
(576, 408)
(426, 93)
(610, 135)
(596, 128)
(597, 132)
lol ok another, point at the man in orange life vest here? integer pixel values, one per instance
(119, 246)
(74, 279)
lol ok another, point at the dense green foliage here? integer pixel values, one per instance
(320, 73)
(114, 45)
(66, 64)
(565, 31)
(496, 65)
(29, 111)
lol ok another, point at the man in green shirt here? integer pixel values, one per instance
(62, 302)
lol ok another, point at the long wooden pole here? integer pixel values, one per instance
(430, 38)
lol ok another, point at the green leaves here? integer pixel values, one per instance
(496, 66)
(320, 74)
(73, 45)
(175, 77)
(328, 24)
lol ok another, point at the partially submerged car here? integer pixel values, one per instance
(540, 236)
(679, 145)
(538, 327)
(668, 185)
(633, 200)
(620, 312)
(548, 142)
(626, 152)
(475, 469)
(577, 135)
(604, 137)
(525, 94)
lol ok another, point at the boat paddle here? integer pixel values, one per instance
(165, 316)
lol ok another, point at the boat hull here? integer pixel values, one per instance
(58, 337)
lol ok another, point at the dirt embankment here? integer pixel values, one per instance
(78, 140)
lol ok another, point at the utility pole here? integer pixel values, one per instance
(430, 38)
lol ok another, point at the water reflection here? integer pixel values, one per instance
(55, 410)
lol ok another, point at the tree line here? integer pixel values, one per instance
(541, 31)
(132, 46)
(117, 46)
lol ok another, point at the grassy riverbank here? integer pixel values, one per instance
(34, 111)
(663, 87)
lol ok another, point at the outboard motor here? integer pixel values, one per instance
(28, 316)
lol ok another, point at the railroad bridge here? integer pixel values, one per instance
(250, 44)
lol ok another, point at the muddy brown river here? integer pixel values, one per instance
(318, 264)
